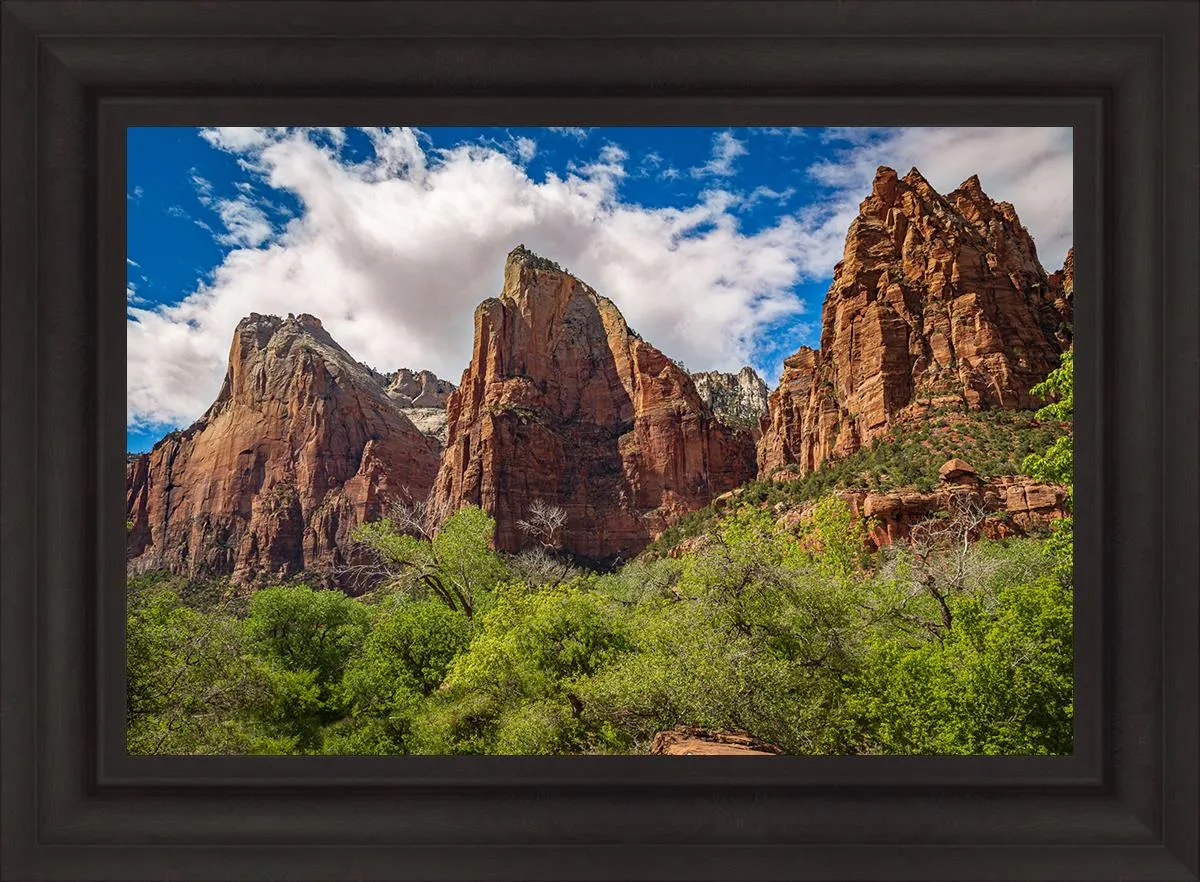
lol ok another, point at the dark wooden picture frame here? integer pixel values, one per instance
(1126, 805)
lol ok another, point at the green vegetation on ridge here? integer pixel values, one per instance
(908, 456)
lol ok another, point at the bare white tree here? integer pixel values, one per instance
(544, 524)
(388, 564)
(543, 564)
(944, 561)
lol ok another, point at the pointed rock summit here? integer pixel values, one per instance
(937, 300)
(563, 402)
(738, 400)
(301, 445)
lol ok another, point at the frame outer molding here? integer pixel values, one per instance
(1181, 441)
(18, 310)
(1125, 807)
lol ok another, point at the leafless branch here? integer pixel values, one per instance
(544, 524)
(944, 561)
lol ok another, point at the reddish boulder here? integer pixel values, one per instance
(690, 741)
(936, 299)
(563, 402)
(957, 471)
(301, 445)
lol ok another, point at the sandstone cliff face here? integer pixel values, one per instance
(562, 402)
(410, 388)
(738, 400)
(301, 445)
(937, 299)
(1062, 292)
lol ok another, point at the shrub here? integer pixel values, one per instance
(522, 666)
(191, 683)
(405, 658)
(999, 682)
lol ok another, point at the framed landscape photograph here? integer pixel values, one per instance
(509, 397)
(818, 502)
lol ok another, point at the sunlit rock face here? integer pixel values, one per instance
(422, 397)
(937, 299)
(301, 445)
(563, 402)
(738, 400)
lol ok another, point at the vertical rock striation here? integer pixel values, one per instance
(937, 299)
(301, 445)
(738, 400)
(564, 403)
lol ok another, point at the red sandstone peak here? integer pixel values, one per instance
(300, 446)
(935, 298)
(884, 187)
(563, 403)
(972, 187)
(261, 342)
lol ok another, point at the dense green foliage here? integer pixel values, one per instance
(193, 683)
(455, 565)
(1057, 464)
(802, 638)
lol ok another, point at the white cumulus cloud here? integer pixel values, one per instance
(726, 149)
(245, 222)
(577, 132)
(393, 254)
(1029, 167)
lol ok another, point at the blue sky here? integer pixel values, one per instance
(717, 244)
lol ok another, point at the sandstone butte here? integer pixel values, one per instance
(937, 300)
(563, 402)
(301, 445)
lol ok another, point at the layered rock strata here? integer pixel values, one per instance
(563, 403)
(937, 300)
(301, 445)
(1008, 505)
(691, 741)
